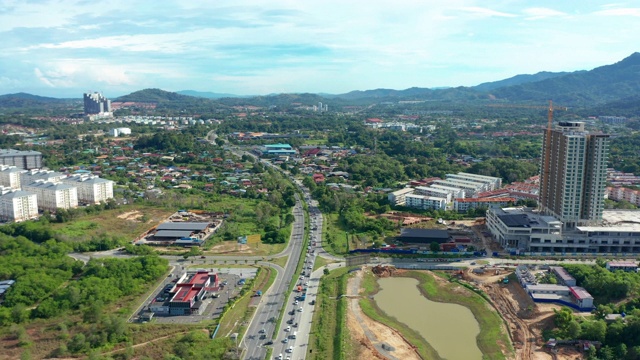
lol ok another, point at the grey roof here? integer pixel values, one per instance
(12, 152)
(515, 220)
(84, 180)
(50, 185)
(173, 233)
(193, 226)
(16, 194)
(7, 282)
(424, 233)
(13, 169)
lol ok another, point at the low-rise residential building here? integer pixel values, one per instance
(492, 182)
(626, 194)
(54, 195)
(10, 176)
(425, 202)
(454, 191)
(463, 205)
(18, 205)
(91, 189)
(398, 197)
(435, 192)
(630, 266)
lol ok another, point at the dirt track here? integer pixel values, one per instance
(372, 334)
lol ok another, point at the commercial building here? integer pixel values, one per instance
(398, 197)
(187, 296)
(91, 189)
(21, 159)
(630, 266)
(115, 132)
(53, 195)
(96, 103)
(425, 202)
(182, 233)
(463, 205)
(573, 176)
(524, 229)
(573, 296)
(10, 176)
(563, 276)
(18, 205)
(423, 236)
(277, 150)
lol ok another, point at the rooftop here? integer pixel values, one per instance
(497, 199)
(422, 233)
(173, 233)
(12, 152)
(622, 264)
(580, 292)
(192, 226)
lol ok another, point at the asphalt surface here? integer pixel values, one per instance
(273, 301)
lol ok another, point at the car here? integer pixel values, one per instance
(306, 283)
(290, 321)
(473, 263)
(301, 277)
(268, 343)
(285, 340)
(203, 257)
(313, 302)
(300, 309)
(262, 331)
(279, 357)
(295, 325)
(292, 312)
(290, 349)
(288, 329)
(294, 303)
(263, 336)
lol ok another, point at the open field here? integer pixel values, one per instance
(125, 222)
(334, 238)
(320, 262)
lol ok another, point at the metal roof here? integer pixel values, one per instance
(193, 226)
(515, 220)
(424, 233)
(173, 233)
(580, 293)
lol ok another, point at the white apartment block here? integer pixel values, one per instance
(91, 188)
(53, 196)
(18, 206)
(454, 191)
(398, 198)
(426, 202)
(33, 175)
(470, 188)
(435, 192)
(493, 182)
(10, 176)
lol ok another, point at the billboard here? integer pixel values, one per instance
(253, 239)
(354, 260)
(242, 240)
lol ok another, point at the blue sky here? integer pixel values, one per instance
(63, 48)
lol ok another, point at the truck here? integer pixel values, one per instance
(302, 297)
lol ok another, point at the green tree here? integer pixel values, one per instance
(434, 246)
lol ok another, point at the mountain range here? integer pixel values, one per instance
(617, 84)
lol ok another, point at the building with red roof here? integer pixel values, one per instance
(187, 294)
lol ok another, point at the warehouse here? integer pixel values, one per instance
(181, 233)
(188, 295)
(630, 266)
(423, 236)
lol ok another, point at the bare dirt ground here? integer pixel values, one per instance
(526, 320)
(226, 247)
(372, 334)
(131, 215)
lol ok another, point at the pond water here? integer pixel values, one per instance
(450, 329)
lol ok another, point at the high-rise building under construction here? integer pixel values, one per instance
(573, 174)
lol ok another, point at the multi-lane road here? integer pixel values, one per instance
(262, 326)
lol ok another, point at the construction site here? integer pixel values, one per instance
(524, 320)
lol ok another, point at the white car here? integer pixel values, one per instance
(288, 329)
(290, 349)
(300, 309)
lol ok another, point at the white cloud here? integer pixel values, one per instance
(620, 12)
(486, 12)
(541, 13)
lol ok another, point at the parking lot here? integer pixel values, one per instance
(213, 302)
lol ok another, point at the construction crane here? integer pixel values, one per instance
(547, 158)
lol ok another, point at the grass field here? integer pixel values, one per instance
(329, 337)
(320, 262)
(334, 235)
(123, 222)
(282, 261)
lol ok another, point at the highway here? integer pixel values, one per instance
(273, 301)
